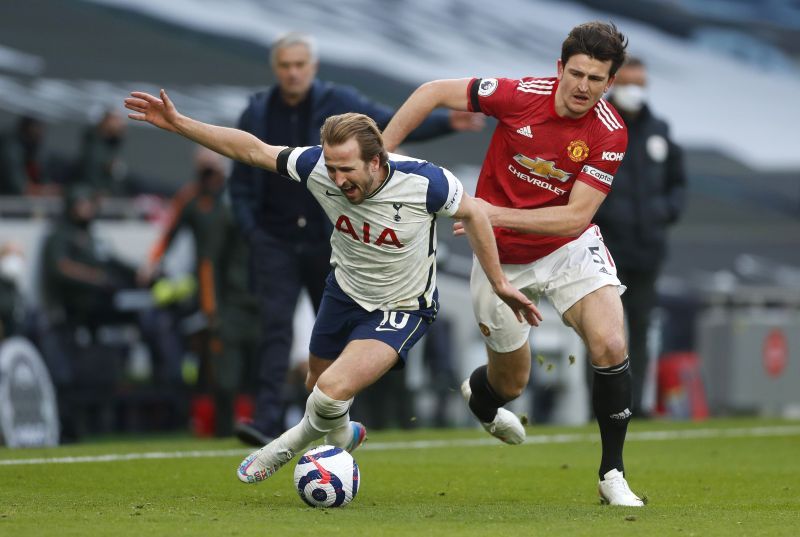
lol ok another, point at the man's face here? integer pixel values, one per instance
(295, 70)
(355, 178)
(582, 82)
(84, 210)
(629, 93)
(631, 75)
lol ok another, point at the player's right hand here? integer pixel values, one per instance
(159, 112)
(520, 304)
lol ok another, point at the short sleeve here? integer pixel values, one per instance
(301, 162)
(444, 192)
(605, 157)
(491, 96)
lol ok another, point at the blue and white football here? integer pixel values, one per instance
(327, 476)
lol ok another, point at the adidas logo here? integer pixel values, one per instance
(525, 131)
(604, 271)
(625, 414)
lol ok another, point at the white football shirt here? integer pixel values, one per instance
(384, 249)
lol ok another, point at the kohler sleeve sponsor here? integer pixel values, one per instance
(613, 156)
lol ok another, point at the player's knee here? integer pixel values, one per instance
(609, 350)
(325, 412)
(333, 387)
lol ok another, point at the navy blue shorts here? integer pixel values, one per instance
(341, 320)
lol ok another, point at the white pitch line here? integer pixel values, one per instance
(566, 438)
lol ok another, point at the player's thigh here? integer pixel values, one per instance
(598, 319)
(333, 324)
(361, 363)
(577, 269)
(501, 330)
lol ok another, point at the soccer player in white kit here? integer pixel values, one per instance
(380, 296)
(549, 166)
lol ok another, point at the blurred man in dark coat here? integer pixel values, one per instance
(649, 195)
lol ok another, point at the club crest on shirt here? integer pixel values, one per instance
(577, 150)
(397, 207)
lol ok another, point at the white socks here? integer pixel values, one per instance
(323, 415)
(341, 436)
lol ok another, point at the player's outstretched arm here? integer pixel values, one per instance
(233, 143)
(481, 238)
(450, 94)
(568, 220)
(561, 221)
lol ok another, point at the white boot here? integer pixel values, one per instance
(505, 425)
(614, 490)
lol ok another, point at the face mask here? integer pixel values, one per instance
(629, 97)
(12, 267)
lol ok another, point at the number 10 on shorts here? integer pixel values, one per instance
(393, 320)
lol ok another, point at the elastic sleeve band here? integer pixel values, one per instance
(282, 163)
(473, 95)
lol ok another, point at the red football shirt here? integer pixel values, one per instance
(535, 156)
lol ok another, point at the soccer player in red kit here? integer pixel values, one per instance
(550, 165)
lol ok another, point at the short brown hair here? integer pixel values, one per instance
(339, 129)
(597, 40)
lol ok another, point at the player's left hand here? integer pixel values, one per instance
(523, 308)
(467, 121)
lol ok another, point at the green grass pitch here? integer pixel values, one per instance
(721, 477)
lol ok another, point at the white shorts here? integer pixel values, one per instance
(564, 276)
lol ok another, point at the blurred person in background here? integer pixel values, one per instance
(648, 197)
(80, 272)
(100, 164)
(25, 167)
(231, 312)
(285, 227)
(80, 277)
(549, 166)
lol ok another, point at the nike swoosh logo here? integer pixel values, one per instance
(332, 194)
(326, 475)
